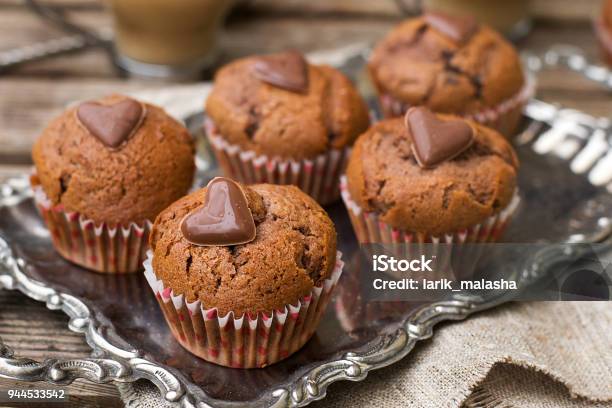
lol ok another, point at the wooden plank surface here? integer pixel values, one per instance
(564, 10)
(37, 333)
(29, 100)
(32, 94)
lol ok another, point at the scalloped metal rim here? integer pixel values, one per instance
(128, 365)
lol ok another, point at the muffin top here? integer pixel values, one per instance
(281, 106)
(449, 64)
(454, 174)
(114, 160)
(293, 250)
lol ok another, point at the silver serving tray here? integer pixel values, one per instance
(565, 182)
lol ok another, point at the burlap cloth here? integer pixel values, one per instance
(547, 354)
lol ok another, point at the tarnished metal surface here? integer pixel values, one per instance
(566, 180)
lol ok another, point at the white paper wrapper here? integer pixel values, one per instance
(102, 248)
(504, 117)
(370, 229)
(247, 341)
(317, 177)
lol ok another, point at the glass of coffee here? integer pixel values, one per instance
(173, 39)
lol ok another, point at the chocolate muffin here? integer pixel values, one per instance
(280, 120)
(109, 165)
(603, 30)
(450, 65)
(229, 252)
(429, 176)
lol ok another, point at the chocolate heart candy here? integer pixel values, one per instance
(111, 124)
(288, 70)
(224, 219)
(435, 141)
(459, 29)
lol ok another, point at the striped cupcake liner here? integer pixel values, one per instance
(504, 117)
(248, 341)
(370, 229)
(448, 250)
(102, 247)
(317, 177)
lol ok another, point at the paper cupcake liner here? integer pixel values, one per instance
(317, 177)
(102, 248)
(370, 229)
(504, 117)
(354, 310)
(248, 341)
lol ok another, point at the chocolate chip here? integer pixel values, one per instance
(288, 70)
(111, 124)
(252, 123)
(457, 28)
(64, 182)
(477, 84)
(435, 141)
(224, 219)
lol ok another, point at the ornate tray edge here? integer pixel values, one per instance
(121, 365)
(129, 365)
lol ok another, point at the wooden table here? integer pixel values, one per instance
(32, 94)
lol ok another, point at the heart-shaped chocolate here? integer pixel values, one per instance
(458, 28)
(224, 219)
(111, 124)
(435, 141)
(287, 70)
